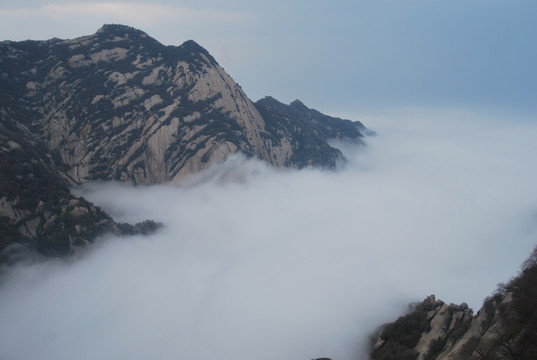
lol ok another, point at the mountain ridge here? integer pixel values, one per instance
(504, 328)
(119, 105)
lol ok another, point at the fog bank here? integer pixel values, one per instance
(259, 263)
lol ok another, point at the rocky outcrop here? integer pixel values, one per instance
(37, 208)
(311, 130)
(504, 328)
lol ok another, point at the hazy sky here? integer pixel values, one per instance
(337, 56)
(255, 263)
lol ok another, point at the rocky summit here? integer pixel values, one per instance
(505, 328)
(119, 105)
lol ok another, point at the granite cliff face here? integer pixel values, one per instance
(118, 105)
(38, 211)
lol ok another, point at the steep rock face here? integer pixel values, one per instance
(37, 208)
(311, 130)
(119, 105)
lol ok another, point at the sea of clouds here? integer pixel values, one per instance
(261, 263)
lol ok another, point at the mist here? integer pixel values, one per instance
(262, 263)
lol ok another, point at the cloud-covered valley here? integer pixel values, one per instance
(262, 263)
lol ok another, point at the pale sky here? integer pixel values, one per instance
(337, 56)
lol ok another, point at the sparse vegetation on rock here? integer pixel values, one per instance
(119, 105)
(504, 328)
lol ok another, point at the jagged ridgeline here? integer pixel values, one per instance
(505, 328)
(119, 105)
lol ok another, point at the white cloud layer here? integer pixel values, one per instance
(257, 263)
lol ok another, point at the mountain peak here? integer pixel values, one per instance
(298, 104)
(119, 29)
(193, 48)
(269, 99)
(192, 45)
(272, 101)
(119, 105)
(115, 32)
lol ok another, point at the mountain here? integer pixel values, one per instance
(310, 130)
(37, 208)
(119, 105)
(504, 328)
